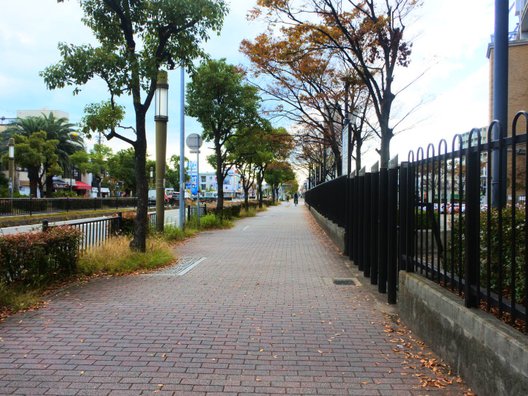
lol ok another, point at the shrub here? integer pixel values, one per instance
(491, 275)
(127, 223)
(174, 233)
(423, 221)
(35, 258)
(212, 221)
(228, 212)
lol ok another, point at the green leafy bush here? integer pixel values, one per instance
(229, 211)
(174, 233)
(36, 258)
(211, 221)
(491, 275)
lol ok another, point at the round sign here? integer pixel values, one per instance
(194, 141)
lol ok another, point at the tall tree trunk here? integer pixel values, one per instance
(246, 196)
(33, 181)
(359, 143)
(386, 136)
(139, 242)
(49, 186)
(219, 179)
(259, 189)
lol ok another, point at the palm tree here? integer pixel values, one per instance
(69, 142)
(57, 129)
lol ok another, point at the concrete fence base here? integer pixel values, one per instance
(491, 356)
(336, 233)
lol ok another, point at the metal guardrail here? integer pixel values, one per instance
(94, 232)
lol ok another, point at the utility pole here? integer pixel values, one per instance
(500, 102)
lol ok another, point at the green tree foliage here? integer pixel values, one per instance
(136, 39)
(172, 175)
(69, 141)
(223, 103)
(38, 155)
(253, 148)
(277, 173)
(123, 169)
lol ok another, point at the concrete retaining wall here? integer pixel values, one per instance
(336, 233)
(490, 356)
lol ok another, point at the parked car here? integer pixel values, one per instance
(152, 197)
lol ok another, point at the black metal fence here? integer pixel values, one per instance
(30, 206)
(442, 214)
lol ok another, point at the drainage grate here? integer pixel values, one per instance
(183, 265)
(344, 281)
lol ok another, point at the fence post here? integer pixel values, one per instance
(353, 218)
(188, 212)
(45, 225)
(347, 216)
(392, 231)
(382, 231)
(367, 221)
(361, 220)
(374, 264)
(350, 213)
(119, 222)
(472, 262)
(406, 217)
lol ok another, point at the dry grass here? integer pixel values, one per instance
(115, 257)
(251, 212)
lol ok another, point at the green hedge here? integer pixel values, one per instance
(423, 221)
(491, 277)
(35, 258)
(229, 211)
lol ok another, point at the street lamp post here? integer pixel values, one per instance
(151, 174)
(182, 148)
(11, 145)
(161, 117)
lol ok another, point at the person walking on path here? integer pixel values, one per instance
(250, 310)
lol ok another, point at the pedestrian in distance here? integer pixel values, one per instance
(295, 199)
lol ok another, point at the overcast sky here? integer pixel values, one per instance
(450, 40)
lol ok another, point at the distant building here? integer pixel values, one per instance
(40, 112)
(474, 138)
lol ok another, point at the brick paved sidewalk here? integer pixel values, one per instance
(258, 314)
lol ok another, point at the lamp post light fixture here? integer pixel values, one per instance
(161, 117)
(151, 175)
(11, 145)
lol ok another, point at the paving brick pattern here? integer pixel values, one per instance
(260, 315)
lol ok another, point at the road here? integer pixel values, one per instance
(171, 217)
